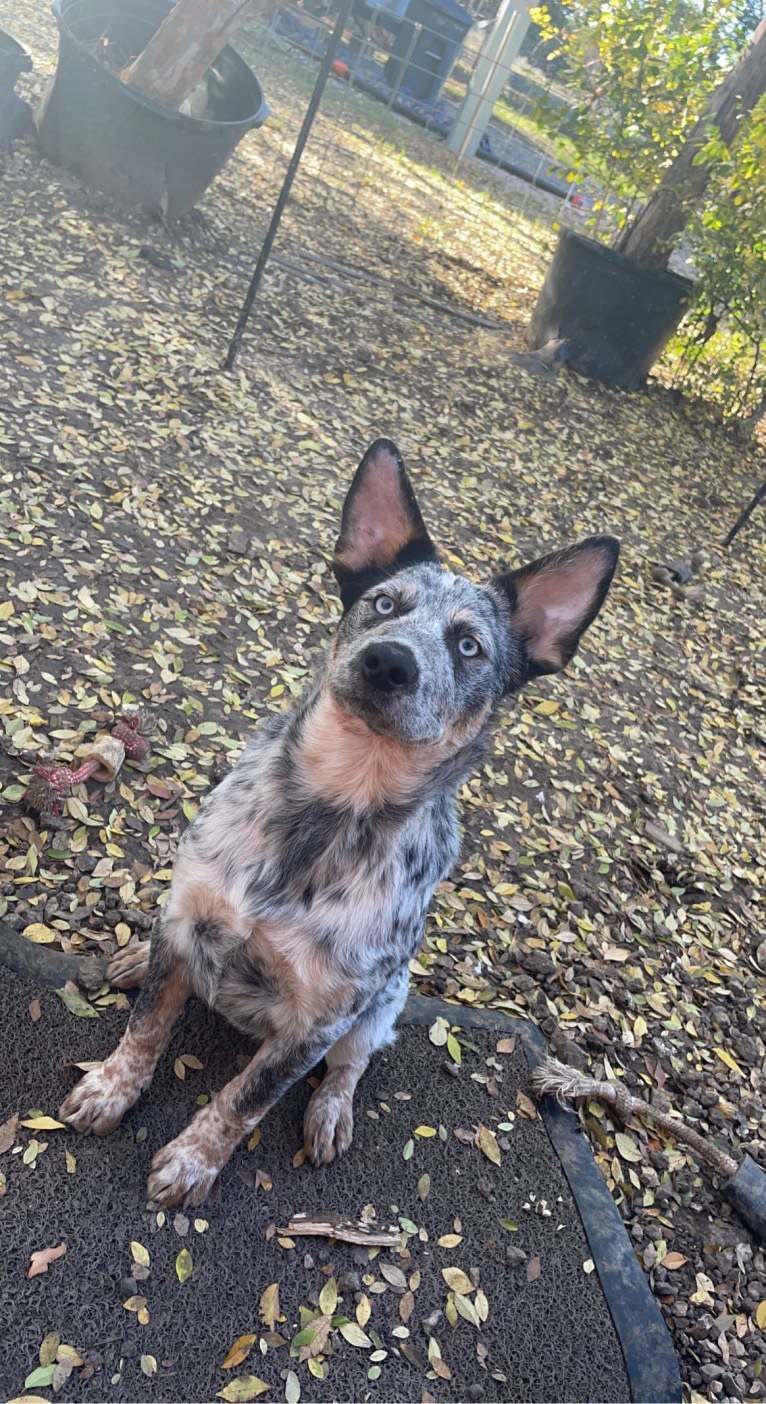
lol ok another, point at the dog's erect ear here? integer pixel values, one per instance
(381, 529)
(553, 600)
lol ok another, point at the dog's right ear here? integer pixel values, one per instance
(381, 529)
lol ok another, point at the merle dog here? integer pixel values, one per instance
(301, 890)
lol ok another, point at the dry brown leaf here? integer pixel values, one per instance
(42, 1257)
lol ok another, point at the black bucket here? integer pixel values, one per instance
(615, 315)
(123, 143)
(14, 114)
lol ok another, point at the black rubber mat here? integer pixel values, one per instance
(548, 1333)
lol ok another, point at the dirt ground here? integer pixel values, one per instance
(165, 530)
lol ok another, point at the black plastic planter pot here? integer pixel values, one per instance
(123, 143)
(14, 114)
(615, 315)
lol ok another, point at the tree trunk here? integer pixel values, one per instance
(181, 51)
(649, 239)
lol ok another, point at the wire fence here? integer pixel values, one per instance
(436, 140)
(389, 170)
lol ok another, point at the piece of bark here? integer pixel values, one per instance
(48, 967)
(334, 1225)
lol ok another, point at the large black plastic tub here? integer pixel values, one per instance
(615, 314)
(123, 143)
(14, 114)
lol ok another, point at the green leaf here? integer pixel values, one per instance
(454, 1050)
(242, 1389)
(41, 1377)
(76, 1004)
(184, 1265)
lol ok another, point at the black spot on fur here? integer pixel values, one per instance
(204, 960)
(160, 968)
(302, 832)
(251, 973)
(269, 1082)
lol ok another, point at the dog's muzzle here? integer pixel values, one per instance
(389, 668)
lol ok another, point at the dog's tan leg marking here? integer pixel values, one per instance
(328, 1125)
(185, 1170)
(102, 1097)
(128, 968)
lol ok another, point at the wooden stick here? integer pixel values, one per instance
(334, 1225)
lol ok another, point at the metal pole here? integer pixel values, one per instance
(284, 194)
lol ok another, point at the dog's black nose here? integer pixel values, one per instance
(388, 667)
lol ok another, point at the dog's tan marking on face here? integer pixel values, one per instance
(464, 730)
(344, 762)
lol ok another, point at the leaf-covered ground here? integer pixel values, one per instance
(165, 536)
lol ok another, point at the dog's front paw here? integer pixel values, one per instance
(100, 1100)
(128, 968)
(328, 1125)
(182, 1173)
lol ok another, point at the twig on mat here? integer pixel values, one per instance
(334, 1225)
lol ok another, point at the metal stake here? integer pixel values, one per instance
(284, 194)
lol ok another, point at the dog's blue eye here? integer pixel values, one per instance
(384, 604)
(469, 646)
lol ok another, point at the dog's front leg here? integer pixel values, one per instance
(328, 1125)
(186, 1169)
(102, 1097)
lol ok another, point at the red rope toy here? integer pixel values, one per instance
(52, 783)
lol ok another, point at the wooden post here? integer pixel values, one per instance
(491, 73)
(179, 54)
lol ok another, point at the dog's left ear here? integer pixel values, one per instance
(381, 529)
(553, 601)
